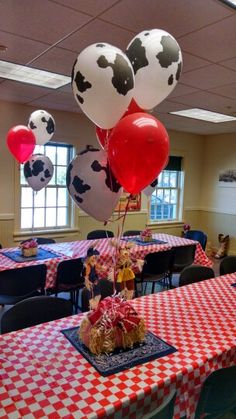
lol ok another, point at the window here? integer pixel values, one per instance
(51, 207)
(166, 200)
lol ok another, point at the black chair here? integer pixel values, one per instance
(183, 256)
(131, 233)
(197, 235)
(35, 310)
(218, 394)
(107, 290)
(99, 234)
(70, 279)
(166, 410)
(0, 246)
(20, 283)
(195, 273)
(228, 265)
(157, 267)
(45, 240)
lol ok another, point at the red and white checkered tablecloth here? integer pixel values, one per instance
(107, 255)
(43, 375)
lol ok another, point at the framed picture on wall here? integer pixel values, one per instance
(227, 178)
(134, 203)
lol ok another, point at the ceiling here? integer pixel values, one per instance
(49, 34)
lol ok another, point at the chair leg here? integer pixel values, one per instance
(153, 287)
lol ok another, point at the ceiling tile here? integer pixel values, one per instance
(190, 62)
(205, 44)
(104, 32)
(39, 20)
(56, 60)
(230, 63)
(208, 77)
(88, 6)
(20, 50)
(162, 14)
(228, 91)
(17, 90)
(206, 100)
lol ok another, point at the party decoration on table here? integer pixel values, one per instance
(42, 254)
(21, 142)
(92, 185)
(42, 125)
(138, 150)
(186, 228)
(92, 278)
(146, 235)
(224, 245)
(114, 324)
(107, 364)
(150, 188)
(103, 83)
(157, 62)
(38, 171)
(122, 272)
(29, 247)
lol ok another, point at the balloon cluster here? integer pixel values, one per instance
(21, 142)
(115, 89)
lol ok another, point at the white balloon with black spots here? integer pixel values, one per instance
(43, 126)
(157, 62)
(92, 185)
(103, 83)
(38, 171)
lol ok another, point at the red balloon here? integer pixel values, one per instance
(21, 142)
(138, 150)
(132, 108)
(103, 136)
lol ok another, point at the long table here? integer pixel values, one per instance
(43, 375)
(76, 249)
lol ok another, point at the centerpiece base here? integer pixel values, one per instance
(114, 324)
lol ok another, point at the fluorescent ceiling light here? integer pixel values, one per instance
(204, 115)
(30, 75)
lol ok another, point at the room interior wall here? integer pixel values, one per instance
(218, 203)
(76, 129)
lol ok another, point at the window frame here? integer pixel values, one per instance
(180, 193)
(72, 225)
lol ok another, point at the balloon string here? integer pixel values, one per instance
(120, 233)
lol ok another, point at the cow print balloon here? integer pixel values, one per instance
(103, 83)
(42, 125)
(157, 62)
(38, 171)
(92, 185)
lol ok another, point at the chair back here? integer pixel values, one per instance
(69, 273)
(45, 240)
(218, 394)
(99, 234)
(197, 235)
(228, 265)
(195, 273)
(157, 263)
(166, 410)
(131, 233)
(41, 240)
(35, 310)
(17, 284)
(183, 256)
